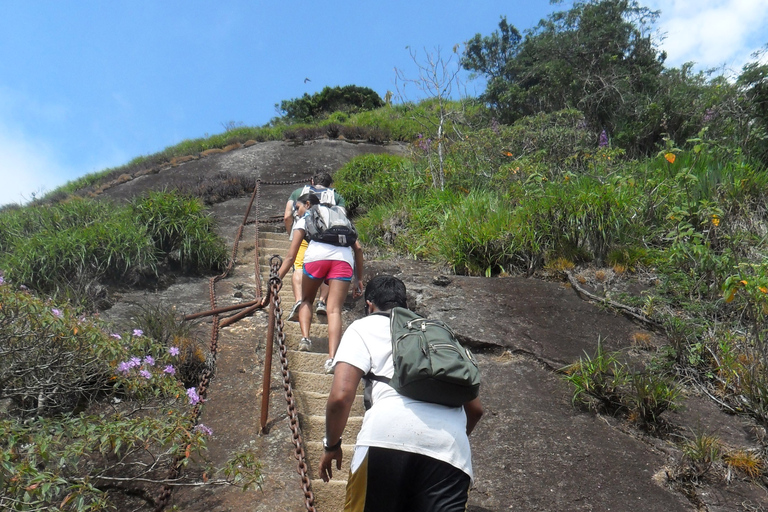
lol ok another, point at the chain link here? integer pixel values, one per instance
(275, 284)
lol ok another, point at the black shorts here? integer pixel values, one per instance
(398, 481)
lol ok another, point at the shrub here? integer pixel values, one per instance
(69, 245)
(604, 383)
(369, 180)
(476, 234)
(90, 409)
(181, 230)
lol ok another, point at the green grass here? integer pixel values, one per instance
(65, 248)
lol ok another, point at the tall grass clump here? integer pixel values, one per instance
(71, 244)
(579, 218)
(70, 248)
(181, 230)
(602, 382)
(476, 234)
(368, 180)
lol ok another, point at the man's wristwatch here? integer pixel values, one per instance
(331, 448)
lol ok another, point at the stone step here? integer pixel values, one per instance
(329, 497)
(313, 403)
(318, 333)
(313, 427)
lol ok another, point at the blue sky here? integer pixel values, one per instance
(86, 85)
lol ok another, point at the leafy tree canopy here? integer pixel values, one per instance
(350, 99)
(596, 57)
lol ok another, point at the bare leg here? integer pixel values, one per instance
(296, 283)
(309, 289)
(337, 294)
(324, 293)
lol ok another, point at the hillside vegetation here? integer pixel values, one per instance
(585, 152)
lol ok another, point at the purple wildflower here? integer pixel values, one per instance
(174, 351)
(495, 126)
(145, 374)
(709, 115)
(202, 428)
(603, 143)
(116, 336)
(124, 367)
(2, 281)
(194, 398)
(134, 361)
(149, 360)
(138, 332)
(56, 312)
(23, 288)
(169, 369)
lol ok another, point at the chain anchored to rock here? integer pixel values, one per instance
(275, 284)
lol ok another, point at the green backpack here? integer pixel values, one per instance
(430, 364)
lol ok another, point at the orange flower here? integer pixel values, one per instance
(670, 157)
(744, 282)
(715, 220)
(763, 289)
(508, 153)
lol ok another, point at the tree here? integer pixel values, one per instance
(753, 81)
(437, 79)
(349, 98)
(596, 57)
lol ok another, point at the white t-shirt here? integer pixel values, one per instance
(318, 251)
(395, 421)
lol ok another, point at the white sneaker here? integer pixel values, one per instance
(328, 367)
(321, 309)
(305, 344)
(293, 316)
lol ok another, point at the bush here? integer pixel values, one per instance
(604, 383)
(80, 418)
(181, 230)
(370, 180)
(476, 234)
(69, 245)
(67, 249)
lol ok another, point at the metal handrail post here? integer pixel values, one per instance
(268, 361)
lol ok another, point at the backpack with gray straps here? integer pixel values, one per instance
(430, 363)
(330, 225)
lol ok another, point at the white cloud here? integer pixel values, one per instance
(26, 168)
(712, 33)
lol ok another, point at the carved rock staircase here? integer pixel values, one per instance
(311, 385)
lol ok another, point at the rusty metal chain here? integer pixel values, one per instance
(286, 182)
(275, 284)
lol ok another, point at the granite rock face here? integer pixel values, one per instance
(533, 450)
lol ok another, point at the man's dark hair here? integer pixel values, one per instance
(386, 292)
(323, 179)
(309, 196)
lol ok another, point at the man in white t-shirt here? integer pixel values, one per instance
(409, 455)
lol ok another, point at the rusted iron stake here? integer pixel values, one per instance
(267, 381)
(242, 314)
(223, 309)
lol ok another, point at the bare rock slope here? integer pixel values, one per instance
(533, 450)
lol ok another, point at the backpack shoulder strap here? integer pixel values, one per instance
(371, 375)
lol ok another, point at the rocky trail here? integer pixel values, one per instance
(532, 451)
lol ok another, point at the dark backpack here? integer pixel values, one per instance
(430, 364)
(330, 225)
